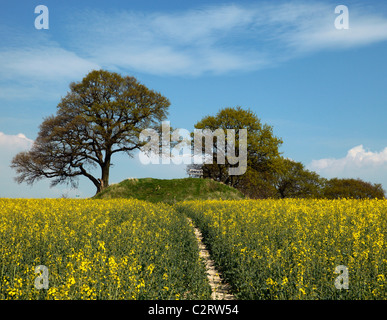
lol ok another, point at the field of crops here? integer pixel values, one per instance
(289, 249)
(95, 249)
(131, 249)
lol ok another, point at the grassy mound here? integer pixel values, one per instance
(170, 191)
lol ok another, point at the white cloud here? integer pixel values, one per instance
(11, 143)
(43, 63)
(219, 39)
(356, 157)
(189, 43)
(34, 66)
(358, 163)
(192, 42)
(213, 39)
(321, 34)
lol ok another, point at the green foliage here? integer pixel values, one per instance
(352, 188)
(169, 191)
(262, 145)
(294, 181)
(104, 114)
(257, 185)
(100, 116)
(268, 175)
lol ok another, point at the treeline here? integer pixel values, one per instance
(299, 182)
(268, 173)
(106, 113)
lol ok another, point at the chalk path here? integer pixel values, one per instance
(220, 290)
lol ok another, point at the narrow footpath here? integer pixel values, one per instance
(220, 290)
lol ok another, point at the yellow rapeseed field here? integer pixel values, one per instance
(98, 249)
(289, 249)
(130, 249)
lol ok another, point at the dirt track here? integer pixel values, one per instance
(220, 290)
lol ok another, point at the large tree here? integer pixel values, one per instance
(100, 116)
(262, 146)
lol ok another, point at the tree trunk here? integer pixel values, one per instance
(105, 170)
(98, 186)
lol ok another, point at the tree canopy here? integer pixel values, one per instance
(336, 188)
(262, 145)
(100, 116)
(294, 181)
(268, 174)
(105, 113)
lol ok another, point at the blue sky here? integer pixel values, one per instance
(323, 90)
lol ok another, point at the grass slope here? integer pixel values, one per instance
(170, 191)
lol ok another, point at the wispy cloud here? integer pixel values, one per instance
(321, 34)
(191, 42)
(215, 39)
(220, 39)
(43, 62)
(30, 69)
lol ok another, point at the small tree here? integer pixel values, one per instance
(262, 145)
(100, 116)
(294, 181)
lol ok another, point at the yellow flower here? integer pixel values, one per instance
(270, 282)
(151, 268)
(71, 281)
(381, 278)
(302, 291)
(101, 245)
